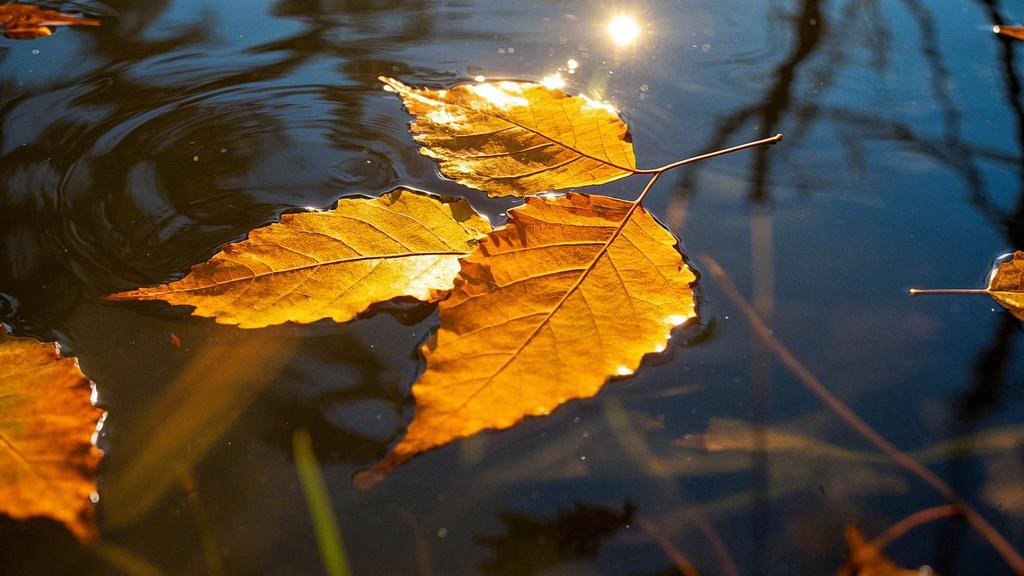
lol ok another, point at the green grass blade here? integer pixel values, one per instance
(328, 536)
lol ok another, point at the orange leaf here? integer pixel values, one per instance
(574, 290)
(47, 421)
(332, 264)
(518, 138)
(867, 560)
(25, 21)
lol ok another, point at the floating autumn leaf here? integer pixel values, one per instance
(574, 290)
(518, 138)
(866, 559)
(25, 21)
(1015, 32)
(1006, 285)
(332, 264)
(47, 422)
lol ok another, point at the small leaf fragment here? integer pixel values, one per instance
(331, 264)
(572, 291)
(26, 21)
(48, 458)
(518, 138)
(1007, 285)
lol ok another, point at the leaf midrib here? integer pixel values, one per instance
(257, 275)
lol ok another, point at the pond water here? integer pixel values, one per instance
(131, 151)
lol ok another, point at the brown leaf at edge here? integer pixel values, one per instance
(518, 138)
(48, 458)
(1007, 284)
(26, 21)
(331, 264)
(867, 560)
(1015, 32)
(572, 291)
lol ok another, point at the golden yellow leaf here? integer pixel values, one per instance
(47, 421)
(574, 290)
(518, 138)
(1006, 285)
(867, 560)
(25, 21)
(332, 264)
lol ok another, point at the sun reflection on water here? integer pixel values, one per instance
(623, 29)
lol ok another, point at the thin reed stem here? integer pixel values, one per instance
(815, 386)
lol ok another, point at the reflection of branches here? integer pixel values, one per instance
(767, 114)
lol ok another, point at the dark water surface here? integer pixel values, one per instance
(130, 151)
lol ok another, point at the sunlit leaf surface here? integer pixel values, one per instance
(518, 138)
(332, 264)
(865, 559)
(545, 310)
(47, 422)
(25, 21)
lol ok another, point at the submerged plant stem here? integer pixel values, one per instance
(679, 560)
(328, 535)
(897, 530)
(211, 551)
(811, 382)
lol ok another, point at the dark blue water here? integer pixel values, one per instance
(130, 151)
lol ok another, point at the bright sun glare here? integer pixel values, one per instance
(623, 30)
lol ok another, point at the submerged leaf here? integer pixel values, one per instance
(518, 138)
(574, 290)
(47, 422)
(25, 21)
(867, 560)
(332, 264)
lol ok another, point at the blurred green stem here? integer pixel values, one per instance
(328, 536)
(211, 551)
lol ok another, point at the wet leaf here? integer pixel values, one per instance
(332, 264)
(574, 290)
(47, 421)
(1006, 285)
(518, 138)
(866, 559)
(25, 21)
(1015, 32)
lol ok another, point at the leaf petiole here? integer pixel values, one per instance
(763, 142)
(926, 292)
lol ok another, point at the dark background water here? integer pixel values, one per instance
(130, 151)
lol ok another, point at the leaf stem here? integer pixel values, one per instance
(754, 144)
(1003, 547)
(926, 292)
